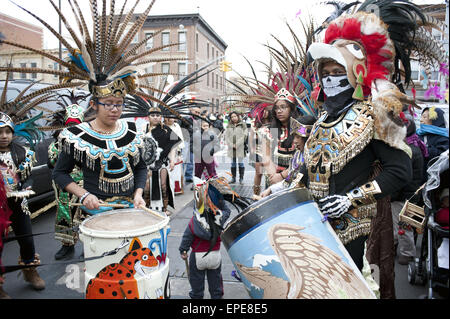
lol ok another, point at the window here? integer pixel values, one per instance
(207, 79)
(23, 75)
(34, 75)
(207, 51)
(55, 67)
(11, 74)
(212, 80)
(149, 36)
(165, 40)
(182, 69)
(165, 68)
(149, 69)
(217, 81)
(182, 41)
(415, 75)
(196, 42)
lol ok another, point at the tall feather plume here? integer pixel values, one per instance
(97, 36)
(88, 40)
(60, 38)
(109, 32)
(66, 24)
(135, 28)
(131, 33)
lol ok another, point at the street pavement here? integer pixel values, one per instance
(64, 279)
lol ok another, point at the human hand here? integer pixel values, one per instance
(91, 202)
(138, 201)
(334, 206)
(266, 193)
(184, 255)
(275, 178)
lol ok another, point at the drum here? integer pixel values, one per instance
(281, 248)
(140, 267)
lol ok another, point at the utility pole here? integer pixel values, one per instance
(445, 43)
(60, 45)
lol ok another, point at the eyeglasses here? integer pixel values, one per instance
(281, 108)
(110, 106)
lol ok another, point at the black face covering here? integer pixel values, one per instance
(339, 93)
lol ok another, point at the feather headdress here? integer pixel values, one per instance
(390, 32)
(168, 99)
(290, 79)
(19, 113)
(374, 44)
(105, 57)
(69, 112)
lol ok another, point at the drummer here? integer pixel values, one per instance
(300, 128)
(108, 151)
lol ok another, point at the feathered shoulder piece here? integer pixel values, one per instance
(105, 56)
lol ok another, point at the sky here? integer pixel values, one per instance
(245, 25)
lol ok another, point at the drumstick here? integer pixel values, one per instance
(103, 205)
(148, 210)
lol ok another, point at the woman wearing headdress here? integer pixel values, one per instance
(107, 149)
(286, 94)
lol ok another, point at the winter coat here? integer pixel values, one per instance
(236, 136)
(436, 144)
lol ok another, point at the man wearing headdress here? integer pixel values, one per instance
(356, 155)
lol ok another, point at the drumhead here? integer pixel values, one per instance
(262, 210)
(122, 223)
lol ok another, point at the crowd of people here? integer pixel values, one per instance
(333, 119)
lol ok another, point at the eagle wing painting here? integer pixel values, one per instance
(314, 271)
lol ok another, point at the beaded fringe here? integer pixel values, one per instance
(116, 186)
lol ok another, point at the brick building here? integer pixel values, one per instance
(16, 30)
(197, 42)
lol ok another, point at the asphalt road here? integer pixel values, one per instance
(64, 279)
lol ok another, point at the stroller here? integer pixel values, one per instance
(425, 270)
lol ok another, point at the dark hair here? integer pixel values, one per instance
(237, 114)
(277, 124)
(259, 121)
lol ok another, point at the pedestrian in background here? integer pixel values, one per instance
(235, 138)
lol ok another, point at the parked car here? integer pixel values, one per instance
(40, 174)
